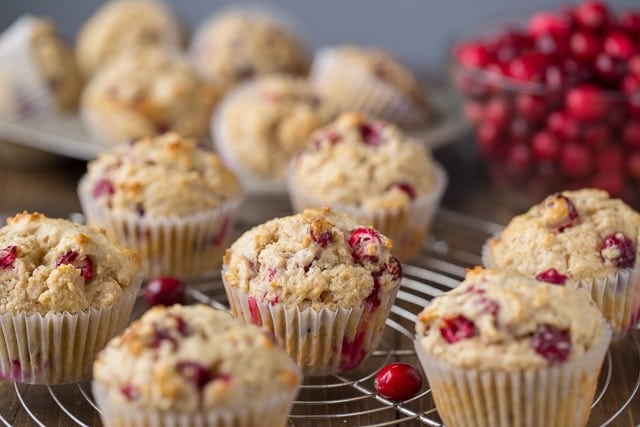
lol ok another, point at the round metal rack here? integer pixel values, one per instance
(348, 398)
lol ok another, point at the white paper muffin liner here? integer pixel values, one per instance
(353, 89)
(183, 247)
(252, 182)
(57, 348)
(23, 88)
(407, 226)
(560, 395)
(320, 342)
(256, 413)
(617, 297)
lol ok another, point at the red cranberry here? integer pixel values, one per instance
(195, 373)
(130, 392)
(498, 112)
(520, 130)
(560, 125)
(164, 291)
(633, 165)
(7, 256)
(85, 265)
(630, 84)
(488, 306)
(555, 77)
(519, 159)
(545, 146)
(531, 107)
(548, 23)
(596, 134)
(398, 381)
(592, 15)
(631, 134)
(633, 65)
(256, 316)
(473, 54)
(489, 138)
(556, 45)
(609, 68)
(361, 241)
(618, 250)
(552, 343)
(619, 45)
(630, 22)
(103, 187)
(552, 276)
(585, 45)
(576, 160)
(528, 67)
(371, 133)
(457, 328)
(473, 111)
(353, 352)
(613, 182)
(323, 239)
(610, 159)
(510, 44)
(559, 212)
(375, 297)
(404, 187)
(587, 102)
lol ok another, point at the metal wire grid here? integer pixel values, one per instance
(350, 398)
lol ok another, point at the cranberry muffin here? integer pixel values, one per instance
(370, 80)
(374, 171)
(261, 124)
(172, 201)
(123, 25)
(38, 73)
(241, 44)
(146, 93)
(193, 365)
(505, 349)
(321, 269)
(65, 290)
(579, 238)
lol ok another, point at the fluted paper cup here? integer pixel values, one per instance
(321, 342)
(256, 413)
(184, 247)
(617, 296)
(560, 395)
(406, 226)
(58, 348)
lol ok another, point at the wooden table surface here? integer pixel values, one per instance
(51, 190)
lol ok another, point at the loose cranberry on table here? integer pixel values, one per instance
(558, 94)
(164, 291)
(398, 381)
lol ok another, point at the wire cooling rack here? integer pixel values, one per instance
(350, 398)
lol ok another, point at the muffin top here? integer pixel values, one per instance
(318, 258)
(53, 265)
(122, 25)
(56, 63)
(364, 162)
(148, 92)
(580, 234)
(193, 358)
(497, 319)
(240, 44)
(379, 65)
(266, 120)
(163, 176)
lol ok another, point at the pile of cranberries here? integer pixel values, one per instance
(557, 105)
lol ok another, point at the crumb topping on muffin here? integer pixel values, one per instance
(122, 25)
(578, 234)
(319, 258)
(54, 265)
(360, 161)
(191, 358)
(147, 92)
(238, 45)
(266, 121)
(497, 319)
(163, 176)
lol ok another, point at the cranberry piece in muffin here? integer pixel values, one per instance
(618, 250)
(365, 243)
(103, 187)
(7, 256)
(84, 264)
(552, 343)
(457, 328)
(559, 212)
(552, 276)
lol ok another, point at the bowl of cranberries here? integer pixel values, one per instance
(555, 103)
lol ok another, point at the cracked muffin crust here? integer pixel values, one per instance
(53, 265)
(193, 358)
(124, 25)
(145, 93)
(260, 125)
(241, 44)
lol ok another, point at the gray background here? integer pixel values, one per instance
(419, 32)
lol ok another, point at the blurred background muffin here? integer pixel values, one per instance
(122, 25)
(146, 92)
(261, 124)
(241, 44)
